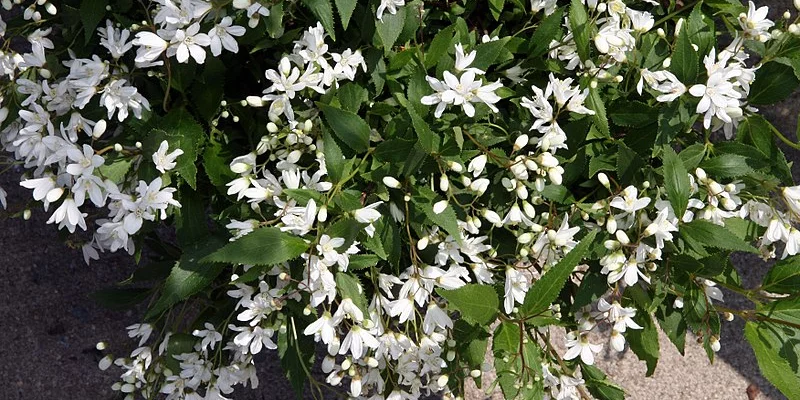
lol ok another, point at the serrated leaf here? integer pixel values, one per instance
(506, 338)
(548, 30)
(486, 53)
(296, 352)
(446, 219)
(633, 114)
(579, 23)
(708, 234)
(362, 261)
(92, 12)
(599, 386)
(692, 155)
(324, 12)
(207, 91)
(189, 276)
(439, 46)
(726, 166)
(774, 82)
(334, 159)
(595, 103)
(264, 246)
(427, 139)
(496, 8)
(181, 131)
(349, 287)
(783, 277)
(672, 323)
(644, 342)
(676, 181)
(684, 58)
(115, 170)
(476, 303)
(758, 132)
(347, 126)
(345, 9)
(351, 96)
(769, 342)
(216, 163)
(544, 291)
(389, 29)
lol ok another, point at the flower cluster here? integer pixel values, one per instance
(392, 191)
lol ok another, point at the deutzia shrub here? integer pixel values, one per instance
(379, 187)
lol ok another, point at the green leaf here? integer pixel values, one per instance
(263, 246)
(446, 219)
(684, 58)
(190, 221)
(347, 126)
(362, 261)
(115, 170)
(345, 9)
(633, 114)
(628, 163)
(207, 91)
(189, 276)
(644, 342)
(486, 53)
(676, 181)
(672, 323)
(296, 352)
(692, 155)
(595, 103)
(92, 12)
(389, 29)
(324, 12)
(774, 82)
(496, 8)
(758, 132)
(599, 386)
(476, 303)
(776, 355)
(439, 46)
(351, 95)
(334, 159)
(783, 277)
(726, 166)
(708, 234)
(216, 162)
(275, 26)
(544, 291)
(506, 338)
(579, 22)
(673, 119)
(428, 140)
(548, 30)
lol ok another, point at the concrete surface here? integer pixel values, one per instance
(49, 326)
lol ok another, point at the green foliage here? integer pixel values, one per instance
(263, 246)
(476, 303)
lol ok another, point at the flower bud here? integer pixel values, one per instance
(105, 362)
(603, 178)
(323, 213)
(525, 238)
(422, 243)
(492, 217)
(522, 141)
(442, 381)
(117, 147)
(254, 101)
(26, 215)
(621, 236)
(346, 363)
(99, 129)
(611, 225)
(307, 125)
(667, 62)
(391, 182)
(455, 167)
(700, 174)
(661, 33)
(714, 343)
(444, 183)
(138, 145)
(475, 373)
(439, 206)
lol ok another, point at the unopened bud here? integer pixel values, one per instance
(422, 243)
(621, 236)
(26, 215)
(603, 178)
(439, 206)
(455, 167)
(525, 238)
(522, 141)
(442, 381)
(323, 213)
(611, 225)
(254, 101)
(475, 373)
(99, 128)
(391, 182)
(444, 183)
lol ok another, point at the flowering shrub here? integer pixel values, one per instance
(393, 183)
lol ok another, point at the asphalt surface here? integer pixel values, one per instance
(49, 326)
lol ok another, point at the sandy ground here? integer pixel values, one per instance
(49, 326)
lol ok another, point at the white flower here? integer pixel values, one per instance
(661, 228)
(389, 5)
(516, 287)
(791, 195)
(578, 345)
(222, 35)
(84, 161)
(356, 340)
(150, 47)
(324, 327)
(368, 215)
(189, 42)
(300, 220)
(163, 161)
(629, 203)
(755, 24)
(142, 331)
(114, 40)
(463, 61)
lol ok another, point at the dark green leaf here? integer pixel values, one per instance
(726, 166)
(581, 28)
(263, 246)
(544, 291)
(476, 303)
(189, 276)
(506, 338)
(599, 386)
(644, 342)
(595, 103)
(347, 126)
(92, 12)
(548, 30)
(684, 58)
(486, 53)
(208, 90)
(439, 46)
(334, 159)
(776, 355)
(692, 155)
(672, 323)
(774, 82)
(120, 298)
(345, 9)
(708, 234)
(676, 181)
(389, 29)
(783, 277)
(633, 114)
(324, 12)
(296, 352)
